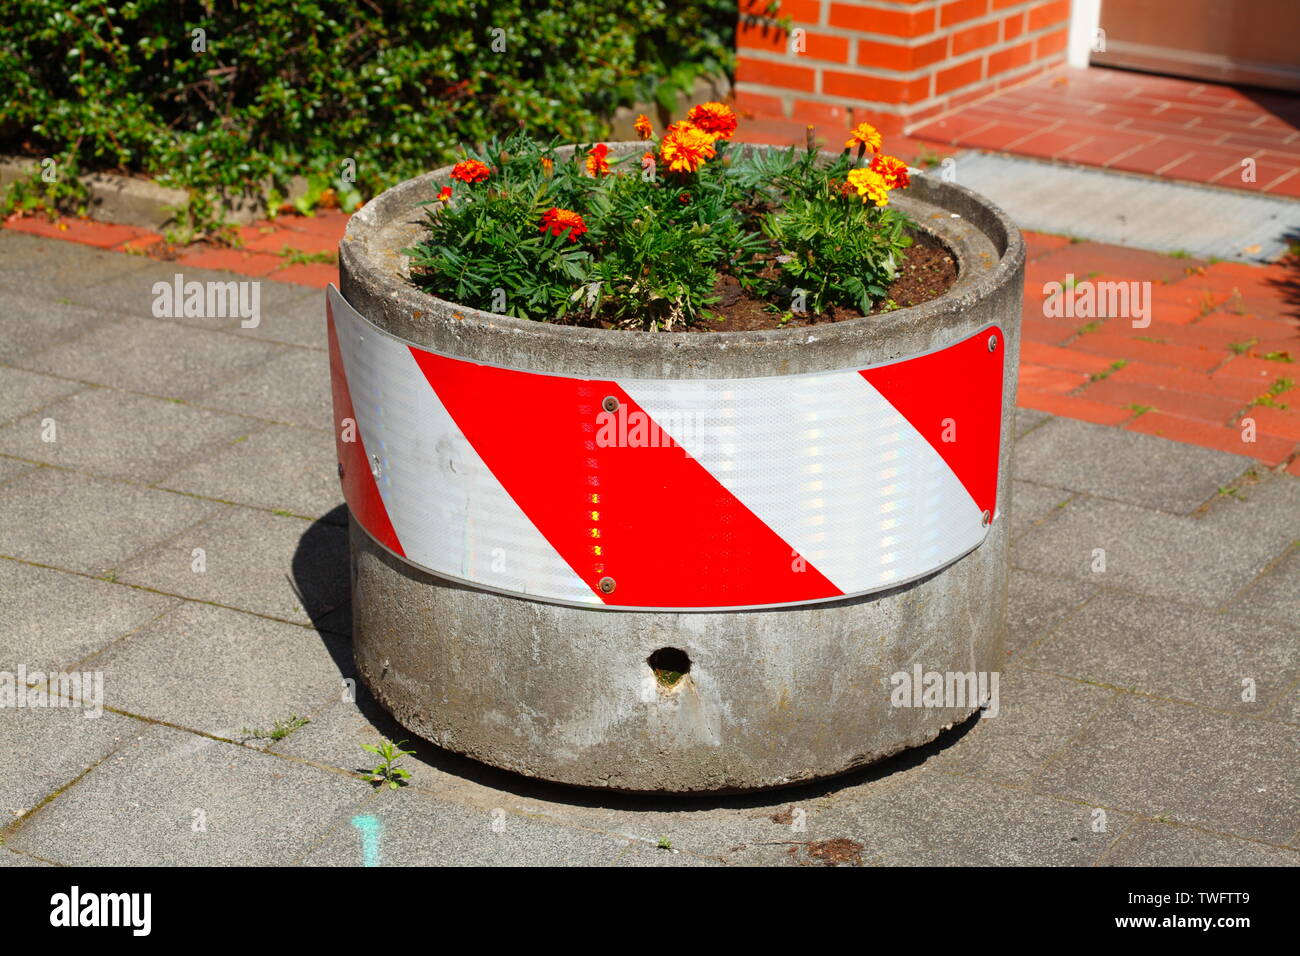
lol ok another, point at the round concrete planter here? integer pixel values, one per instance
(773, 697)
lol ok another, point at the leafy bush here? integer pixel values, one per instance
(290, 88)
(641, 242)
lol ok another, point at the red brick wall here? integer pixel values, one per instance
(890, 62)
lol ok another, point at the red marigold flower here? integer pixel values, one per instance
(864, 134)
(685, 147)
(444, 194)
(643, 127)
(470, 171)
(716, 119)
(892, 170)
(560, 220)
(597, 165)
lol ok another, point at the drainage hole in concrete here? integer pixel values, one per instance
(669, 664)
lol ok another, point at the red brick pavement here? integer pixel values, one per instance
(1118, 119)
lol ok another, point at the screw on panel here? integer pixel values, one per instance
(993, 343)
(606, 585)
(610, 404)
(985, 519)
(340, 469)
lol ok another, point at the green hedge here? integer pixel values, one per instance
(294, 87)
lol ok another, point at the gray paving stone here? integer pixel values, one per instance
(88, 524)
(1032, 504)
(1173, 650)
(1288, 707)
(1125, 466)
(22, 392)
(140, 806)
(300, 321)
(278, 467)
(411, 828)
(1223, 772)
(131, 292)
(1148, 843)
(937, 819)
(30, 324)
(1037, 603)
(51, 619)
(63, 270)
(293, 389)
(10, 858)
(13, 467)
(256, 562)
(118, 434)
(47, 748)
(1199, 560)
(156, 357)
(1276, 593)
(1037, 715)
(252, 672)
(1027, 419)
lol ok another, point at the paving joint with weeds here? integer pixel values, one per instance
(387, 770)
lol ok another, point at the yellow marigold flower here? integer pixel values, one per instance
(864, 134)
(685, 147)
(597, 165)
(892, 170)
(871, 186)
(716, 119)
(643, 127)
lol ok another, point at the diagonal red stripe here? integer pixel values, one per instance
(961, 385)
(654, 520)
(359, 488)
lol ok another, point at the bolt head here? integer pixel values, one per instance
(340, 469)
(986, 519)
(993, 343)
(610, 404)
(606, 585)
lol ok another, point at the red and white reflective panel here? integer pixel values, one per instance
(691, 495)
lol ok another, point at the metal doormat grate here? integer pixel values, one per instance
(1130, 210)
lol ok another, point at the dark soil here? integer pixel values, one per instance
(927, 272)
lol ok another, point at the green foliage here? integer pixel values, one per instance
(838, 252)
(387, 770)
(656, 245)
(291, 88)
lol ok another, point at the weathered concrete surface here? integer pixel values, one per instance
(773, 697)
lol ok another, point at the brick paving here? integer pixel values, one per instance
(1119, 119)
(1124, 736)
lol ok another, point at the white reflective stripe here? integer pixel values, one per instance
(450, 513)
(829, 465)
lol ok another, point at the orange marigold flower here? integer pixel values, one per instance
(716, 119)
(871, 186)
(597, 165)
(864, 134)
(470, 171)
(558, 221)
(643, 127)
(444, 194)
(548, 166)
(685, 147)
(892, 170)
